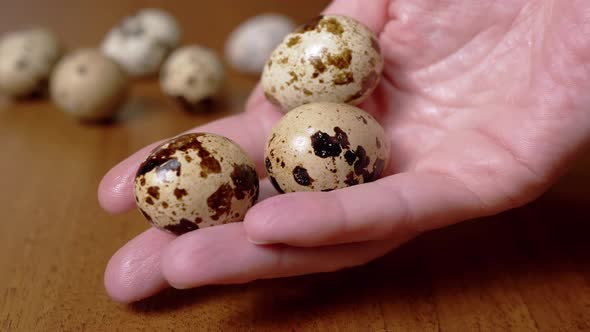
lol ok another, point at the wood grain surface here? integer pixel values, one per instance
(524, 270)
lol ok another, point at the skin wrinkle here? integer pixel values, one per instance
(478, 65)
(121, 182)
(555, 69)
(407, 21)
(502, 144)
(279, 262)
(483, 206)
(461, 77)
(344, 223)
(411, 228)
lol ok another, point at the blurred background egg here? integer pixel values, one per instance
(141, 42)
(27, 58)
(251, 43)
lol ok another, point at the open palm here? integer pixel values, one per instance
(484, 102)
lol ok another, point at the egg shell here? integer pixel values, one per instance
(251, 43)
(160, 25)
(195, 181)
(325, 146)
(330, 59)
(192, 74)
(88, 85)
(140, 43)
(27, 58)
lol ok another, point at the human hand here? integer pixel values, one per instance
(485, 104)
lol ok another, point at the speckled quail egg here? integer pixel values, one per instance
(27, 58)
(329, 59)
(88, 85)
(195, 181)
(250, 44)
(192, 74)
(141, 42)
(325, 146)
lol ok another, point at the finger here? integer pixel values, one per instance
(371, 13)
(399, 205)
(249, 130)
(134, 273)
(223, 255)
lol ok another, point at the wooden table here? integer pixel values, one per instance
(525, 270)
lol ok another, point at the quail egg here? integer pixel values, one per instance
(88, 85)
(141, 42)
(325, 146)
(195, 181)
(192, 74)
(27, 58)
(250, 44)
(329, 59)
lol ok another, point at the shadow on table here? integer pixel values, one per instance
(527, 244)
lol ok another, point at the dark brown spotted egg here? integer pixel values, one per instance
(330, 59)
(325, 146)
(195, 181)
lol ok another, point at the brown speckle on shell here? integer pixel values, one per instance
(245, 180)
(293, 41)
(332, 26)
(220, 201)
(343, 78)
(184, 226)
(154, 192)
(325, 145)
(270, 97)
(341, 60)
(180, 193)
(165, 152)
(301, 176)
(310, 25)
(351, 180)
(367, 83)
